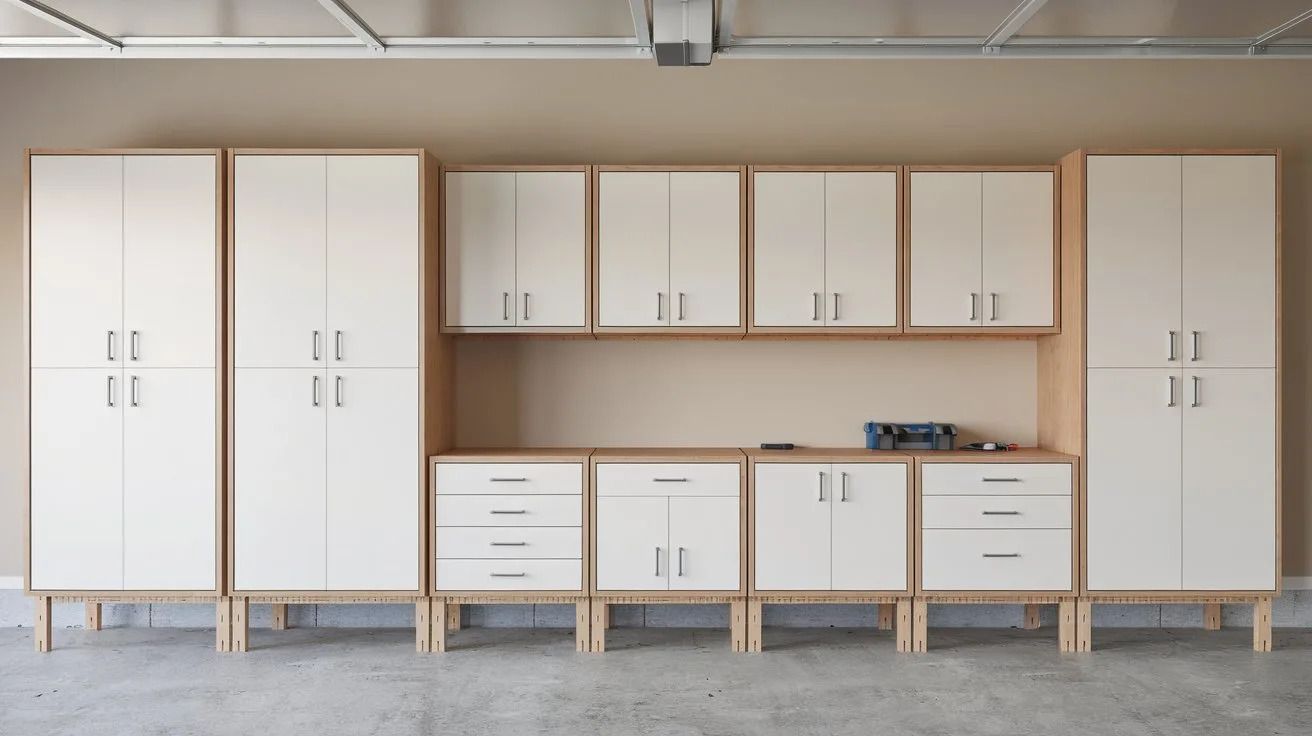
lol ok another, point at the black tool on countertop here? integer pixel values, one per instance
(777, 445)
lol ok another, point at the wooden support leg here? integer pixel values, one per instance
(607, 617)
(241, 613)
(1067, 625)
(223, 625)
(1031, 615)
(754, 638)
(887, 616)
(453, 617)
(583, 626)
(598, 626)
(1212, 616)
(92, 617)
(423, 624)
(903, 624)
(437, 625)
(919, 625)
(279, 616)
(1262, 625)
(738, 625)
(43, 624)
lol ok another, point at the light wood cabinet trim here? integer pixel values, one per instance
(515, 168)
(826, 455)
(1022, 455)
(1178, 152)
(328, 151)
(125, 151)
(514, 455)
(668, 455)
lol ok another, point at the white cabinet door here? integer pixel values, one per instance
(633, 551)
(1229, 259)
(633, 249)
(1230, 479)
(1018, 248)
(861, 249)
(704, 543)
(373, 479)
(550, 247)
(705, 249)
(169, 479)
(77, 479)
(946, 262)
(792, 537)
(870, 527)
(1132, 261)
(279, 221)
(77, 261)
(1133, 494)
(279, 464)
(373, 261)
(788, 249)
(169, 261)
(480, 248)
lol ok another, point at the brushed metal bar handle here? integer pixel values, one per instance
(109, 345)
(508, 480)
(132, 401)
(822, 486)
(669, 480)
(658, 562)
(510, 544)
(526, 317)
(508, 511)
(1170, 344)
(681, 551)
(110, 388)
(815, 306)
(1009, 554)
(337, 345)
(682, 309)
(1170, 391)
(134, 343)
(1000, 480)
(844, 485)
(658, 306)
(1196, 403)
(1193, 345)
(836, 306)
(505, 306)
(1000, 513)
(316, 344)
(508, 574)
(993, 307)
(314, 396)
(339, 391)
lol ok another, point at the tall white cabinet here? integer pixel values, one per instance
(124, 271)
(328, 280)
(1182, 431)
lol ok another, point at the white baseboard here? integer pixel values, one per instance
(14, 583)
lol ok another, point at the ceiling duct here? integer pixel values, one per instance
(683, 32)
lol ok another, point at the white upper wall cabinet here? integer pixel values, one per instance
(982, 250)
(825, 247)
(669, 250)
(516, 250)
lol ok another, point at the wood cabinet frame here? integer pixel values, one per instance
(589, 229)
(826, 332)
(905, 290)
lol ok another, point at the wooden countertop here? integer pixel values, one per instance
(736, 454)
(830, 454)
(514, 454)
(667, 455)
(1023, 455)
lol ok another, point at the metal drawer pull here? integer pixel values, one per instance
(508, 574)
(815, 306)
(1193, 345)
(339, 391)
(110, 401)
(993, 307)
(316, 344)
(669, 480)
(1000, 480)
(658, 306)
(1170, 345)
(508, 511)
(109, 345)
(994, 554)
(133, 401)
(134, 343)
(314, 397)
(508, 480)
(337, 345)
(526, 317)
(505, 306)
(1196, 403)
(682, 298)
(973, 298)
(844, 486)
(835, 305)
(510, 544)
(1000, 513)
(681, 551)
(658, 562)
(822, 486)
(1170, 391)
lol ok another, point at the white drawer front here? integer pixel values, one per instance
(509, 542)
(996, 559)
(517, 479)
(509, 511)
(669, 479)
(509, 574)
(995, 512)
(1002, 479)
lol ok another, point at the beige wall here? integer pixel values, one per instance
(733, 112)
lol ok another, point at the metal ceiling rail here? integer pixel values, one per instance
(1010, 25)
(316, 47)
(353, 23)
(1261, 42)
(641, 24)
(724, 23)
(50, 15)
(1021, 47)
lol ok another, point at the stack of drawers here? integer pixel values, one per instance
(509, 526)
(996, 526)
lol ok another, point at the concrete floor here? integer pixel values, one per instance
(654, 681)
